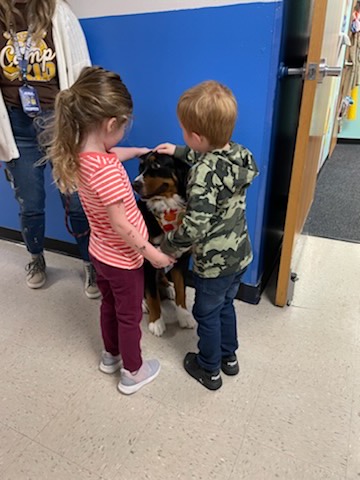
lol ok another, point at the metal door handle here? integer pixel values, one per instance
(326, 71)
(313, 72)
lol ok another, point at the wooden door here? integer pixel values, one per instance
(313, 116)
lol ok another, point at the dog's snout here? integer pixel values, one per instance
(137, 184)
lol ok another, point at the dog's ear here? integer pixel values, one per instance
(145, 156)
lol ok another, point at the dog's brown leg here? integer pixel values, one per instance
(156, 321)
(153, 304)
(179, 285)
(166, 290)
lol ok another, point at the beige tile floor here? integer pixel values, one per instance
(293, 413)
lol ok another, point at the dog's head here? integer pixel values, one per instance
(160, 176)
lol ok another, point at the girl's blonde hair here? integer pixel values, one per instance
(39, 14)
(97, 95)
(209, 109)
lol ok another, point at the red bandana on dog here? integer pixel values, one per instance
(170, 219)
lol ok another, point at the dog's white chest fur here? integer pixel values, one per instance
(169, 212)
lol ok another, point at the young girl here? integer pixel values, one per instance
(91, 118)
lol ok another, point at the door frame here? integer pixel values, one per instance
(296, 214)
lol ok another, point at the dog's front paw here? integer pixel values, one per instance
(157, 328)
(185, 318)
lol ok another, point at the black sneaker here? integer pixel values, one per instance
(230, 365)
(210, 380)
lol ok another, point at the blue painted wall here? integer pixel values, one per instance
(159, 55)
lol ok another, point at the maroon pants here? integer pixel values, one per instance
(121, 311)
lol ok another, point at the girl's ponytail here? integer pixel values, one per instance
(65, 145)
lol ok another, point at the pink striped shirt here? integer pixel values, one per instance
(103, 181)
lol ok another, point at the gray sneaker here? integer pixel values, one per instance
(131, 383)
(91, 288)
(109, 363)
(36, 272)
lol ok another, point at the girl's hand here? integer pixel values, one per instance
(166, 148)
(161, 260)
(127, 153)
(143, 151)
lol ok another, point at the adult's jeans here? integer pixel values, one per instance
(27, 181)
(214, 311)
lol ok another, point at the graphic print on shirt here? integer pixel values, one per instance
(41, 68)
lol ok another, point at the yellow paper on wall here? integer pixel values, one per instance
(352, 111)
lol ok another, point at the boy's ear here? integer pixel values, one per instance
(196, 137)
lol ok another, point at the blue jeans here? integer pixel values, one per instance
(27, 181)
(214, 311)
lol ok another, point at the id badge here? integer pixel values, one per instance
(29, 100)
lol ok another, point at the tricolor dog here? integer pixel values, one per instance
(161, 186)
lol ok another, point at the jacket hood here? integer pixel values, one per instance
(238, 168)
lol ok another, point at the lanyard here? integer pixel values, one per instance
(23, 60)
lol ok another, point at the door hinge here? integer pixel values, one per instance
(291, 288)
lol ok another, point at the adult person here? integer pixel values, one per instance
(42, 50)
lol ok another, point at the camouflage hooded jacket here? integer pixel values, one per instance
(214, 224)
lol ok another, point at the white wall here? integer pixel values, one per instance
(104, 8)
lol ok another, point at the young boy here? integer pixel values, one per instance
(214, 224)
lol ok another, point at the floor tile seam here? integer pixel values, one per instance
(161, 401)
(306, 307)
(23, 435)
(64, 457)
(15, 430)
(320, 307)
(38, 431)
(33, 440)
(236, 459)
(56, 415)
(315, 389)
(292, 455)
(58, 409)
